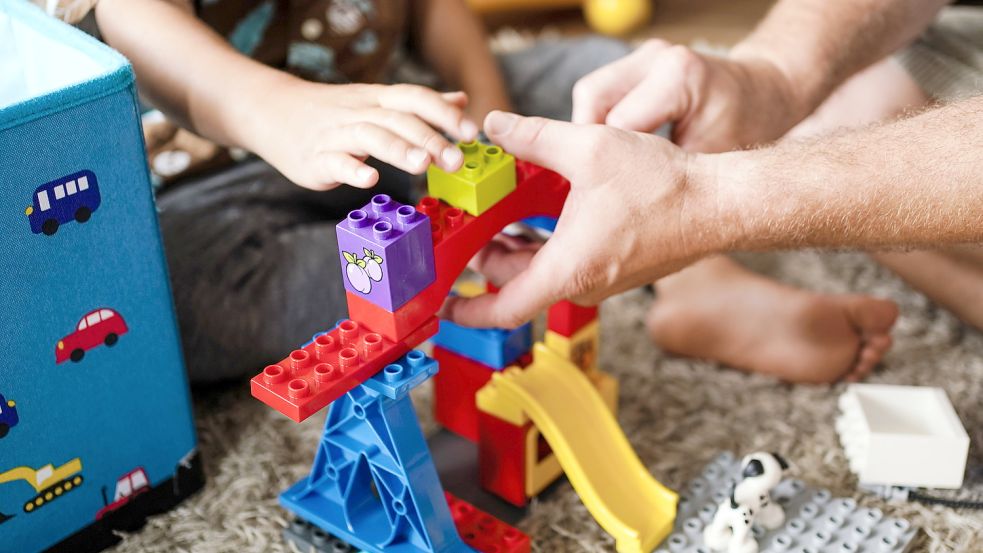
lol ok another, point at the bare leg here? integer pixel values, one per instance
(953, 279)
(972, 254)
(882, 91)
(719, 310)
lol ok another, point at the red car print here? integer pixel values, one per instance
(102, 326)
(128, 487)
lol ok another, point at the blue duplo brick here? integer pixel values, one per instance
(495, 347)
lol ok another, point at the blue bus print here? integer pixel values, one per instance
(60, 201)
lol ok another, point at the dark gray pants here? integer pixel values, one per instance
(254, 258)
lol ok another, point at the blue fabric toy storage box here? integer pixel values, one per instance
(96, 428)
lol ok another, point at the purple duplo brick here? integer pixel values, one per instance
(386, 252)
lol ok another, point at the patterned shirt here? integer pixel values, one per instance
(334, 41)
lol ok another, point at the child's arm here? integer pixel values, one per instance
(452, 39)
(317, 135)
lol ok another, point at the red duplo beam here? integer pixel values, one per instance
(457, 238)
(330, 366)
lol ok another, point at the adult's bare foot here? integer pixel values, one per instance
(719, 310)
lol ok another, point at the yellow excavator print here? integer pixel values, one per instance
(48, 482)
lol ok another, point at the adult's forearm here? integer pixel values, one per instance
(186, 69)
(818, 44)
(914, 182)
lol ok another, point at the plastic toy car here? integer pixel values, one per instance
(102, 326)
(8, 415)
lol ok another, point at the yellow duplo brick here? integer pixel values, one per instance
(607, 387)
(487, 176)
(542, 466)
(489, 400)
(469, 288)
(581, 349)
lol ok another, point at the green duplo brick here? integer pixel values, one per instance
(487, 176)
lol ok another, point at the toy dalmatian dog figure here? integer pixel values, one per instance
(749, 502)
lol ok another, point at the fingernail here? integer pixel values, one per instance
(500, 123)
(365, 174)
(469, 130)
(452, 156)
(416, 156)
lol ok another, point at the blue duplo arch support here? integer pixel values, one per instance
(373, 483)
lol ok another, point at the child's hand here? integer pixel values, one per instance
(319, 135)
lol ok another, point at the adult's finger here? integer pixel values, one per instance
(595, 94)
(663, 96)
(431, 106)
(561, 147)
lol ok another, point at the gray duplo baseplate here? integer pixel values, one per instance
(308, 538)
(815, 522)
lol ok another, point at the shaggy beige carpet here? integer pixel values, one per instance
(678, 413)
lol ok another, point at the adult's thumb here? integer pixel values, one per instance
(555, 145)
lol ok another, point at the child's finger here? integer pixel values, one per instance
(442, 152)
(339, 167)
(502, 259)
(458, 98)
(381, 143)
(431, 107)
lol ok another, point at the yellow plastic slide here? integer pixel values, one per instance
(601, 465)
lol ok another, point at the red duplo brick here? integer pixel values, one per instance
(483, 532)
(566, 318)
(502, 458)
(391, 324)
(455, 386)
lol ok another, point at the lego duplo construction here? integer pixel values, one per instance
(532, 412)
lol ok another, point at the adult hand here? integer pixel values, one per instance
(319, 135)
(716, 104)
(636, 211)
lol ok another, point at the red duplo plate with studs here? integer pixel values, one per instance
(483, 532)
(329, 367)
